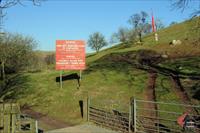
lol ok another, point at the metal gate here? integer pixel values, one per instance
(147, 117)
(109, 117)
(165, 117)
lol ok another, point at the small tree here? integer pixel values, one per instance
(97, 41)
(138, 21)
(173, 23)
(159, 24)
(15, 52)
(50, 59)
(121, 36)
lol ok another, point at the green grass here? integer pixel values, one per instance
(108, 83)
(184, 65)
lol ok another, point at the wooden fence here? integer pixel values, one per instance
(12, 121)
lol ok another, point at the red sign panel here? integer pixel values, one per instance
(70, 55)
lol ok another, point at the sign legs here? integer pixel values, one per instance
(61, 79)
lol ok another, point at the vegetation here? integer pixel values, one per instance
(112, 76)
(109, 78)
(18, 50)
(159, 24)
(10, 3)
(123, 35)
(182, 4)
(15, 49)
(140, 27)
(97, 41)
(138, 21)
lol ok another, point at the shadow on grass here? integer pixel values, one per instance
(196, 89)
(73, 76)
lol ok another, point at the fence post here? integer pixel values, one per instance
(36, 126)
(134, 115)
(130, 114)
(13, 122)
(1, 117)
(7, 118)
(88, 109)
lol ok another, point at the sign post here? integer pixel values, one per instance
(70, 55)
(61, 79)
(80, 75)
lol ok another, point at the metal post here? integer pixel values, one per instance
(61, 79)
(134, 115)
(80, 75)
(88, 109)
(157, 115)
(130, 115)
(1, 37)
(36, 126)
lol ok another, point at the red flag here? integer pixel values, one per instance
(153, 24)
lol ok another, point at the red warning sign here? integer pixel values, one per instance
(70, 55)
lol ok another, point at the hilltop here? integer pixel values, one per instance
(114, 75)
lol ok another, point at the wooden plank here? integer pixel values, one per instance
(7, 118)
(13, 117)
(15, 108)
(33, 126)
(13, 124)
(1, 117)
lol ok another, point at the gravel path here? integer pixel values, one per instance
(85, 128)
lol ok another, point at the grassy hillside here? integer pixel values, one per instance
(111, 83)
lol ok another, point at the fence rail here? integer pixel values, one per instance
(108, 118)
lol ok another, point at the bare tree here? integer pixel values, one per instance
(138, 21)
(15, 51)
(159, 24)
(50, 59)
(173, 23)
(121, 36)
(10, 3)
(97, 41)
(182, 4)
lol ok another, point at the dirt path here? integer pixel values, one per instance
(52, 123)
(150, 95)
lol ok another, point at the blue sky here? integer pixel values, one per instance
(77, 19)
